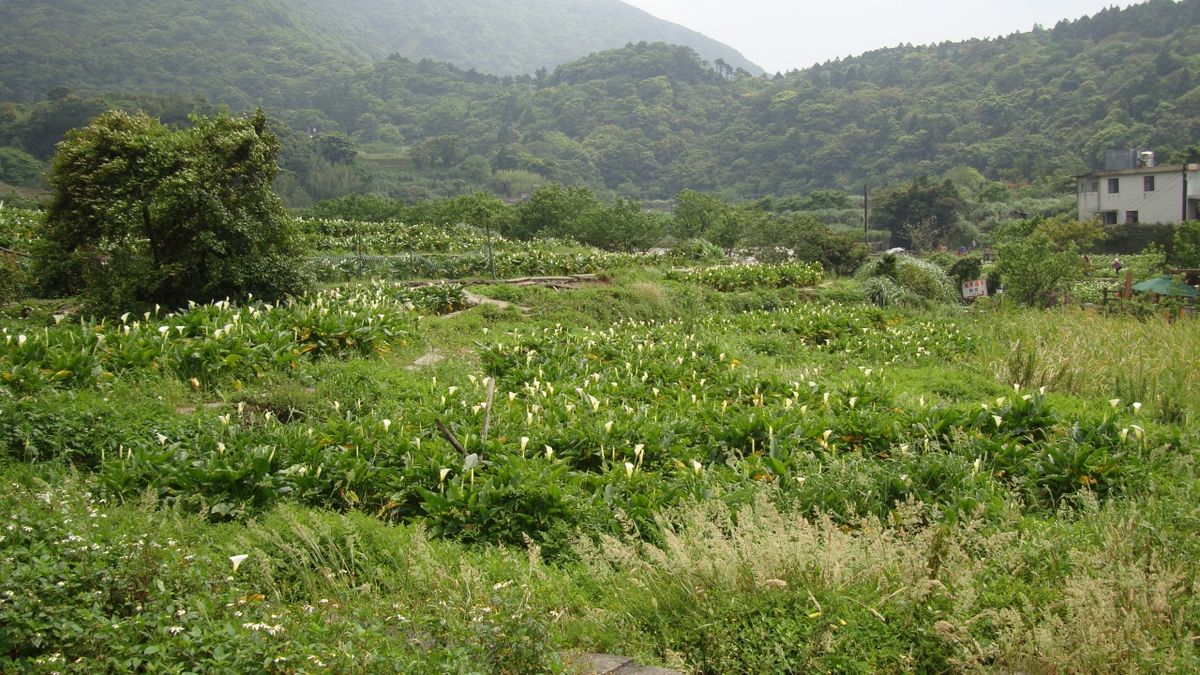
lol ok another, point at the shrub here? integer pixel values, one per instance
(145, 214)
(919, 277)
(1034, 273)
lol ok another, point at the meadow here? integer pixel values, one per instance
(717, 469)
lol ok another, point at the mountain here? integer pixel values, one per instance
(507, 37)
(650, 119)
(242, 51)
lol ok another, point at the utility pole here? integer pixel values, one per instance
(1183, 218)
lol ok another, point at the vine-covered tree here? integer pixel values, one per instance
(143, 213)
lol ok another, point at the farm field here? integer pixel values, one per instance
(722, 469)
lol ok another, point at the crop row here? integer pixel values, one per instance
(210, 342)
(338, 236)
(508, 264)
(748, 276)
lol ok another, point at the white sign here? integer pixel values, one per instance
(974, 289)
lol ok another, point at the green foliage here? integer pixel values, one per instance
(700, 215)
(553, 210)
(920, 278)
(1035, 272)
(1067, 231)
(804, 238)
(698, 250)
(576, 213)
(726, 278)
(817, 200)
(883, 291)
(966, 268)
(480, 210)
(1185, 250)
(647, 120)
(922, 215)
(365, 208)
(19, 168)
(17, 233)
(15, 280)
(143, 214)
(315, 44)
(792, 485)
(207, 344)
(127, 588)
(621, 226)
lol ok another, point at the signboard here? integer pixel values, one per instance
(974, 289)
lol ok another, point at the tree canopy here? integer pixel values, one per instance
(922, 215)
(144, 213)
(647, 120)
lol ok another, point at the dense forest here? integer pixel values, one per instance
(265, 52)
(650, 119)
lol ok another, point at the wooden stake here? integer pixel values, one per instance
(449, 436)
(487, 410)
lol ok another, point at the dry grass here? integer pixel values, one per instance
(1087, 354)
(1088, 594)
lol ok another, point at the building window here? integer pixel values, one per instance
(1148, 184)
(1131, 217)
(1110, 217)
(1114, 186)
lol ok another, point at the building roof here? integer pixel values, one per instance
(1141, 171)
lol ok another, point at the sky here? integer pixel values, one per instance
(781, 35)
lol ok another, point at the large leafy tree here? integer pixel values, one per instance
(922, 215)
(143, 213)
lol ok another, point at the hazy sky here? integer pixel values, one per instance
(782, 34)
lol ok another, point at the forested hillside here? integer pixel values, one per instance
(507, 37)
(649, 120)
(252, 52)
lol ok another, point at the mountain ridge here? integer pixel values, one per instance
(171, 45)
(650, 119)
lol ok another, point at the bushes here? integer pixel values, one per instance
(909, 280)
(1034, 273)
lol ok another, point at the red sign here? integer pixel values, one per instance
(974, 289)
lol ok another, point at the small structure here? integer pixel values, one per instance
(1143, 193)
(1166, 285)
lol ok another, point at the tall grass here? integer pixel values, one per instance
(762, 590)
(1087, 354)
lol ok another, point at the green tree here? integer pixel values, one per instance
(554, 210)
(621, 226)
(142, 213)
(1034, 271)
(927, 209)
(803, 237)
(336, 147)
(19, 168)
(1067, 230)
(1185, 250)
(707, 216)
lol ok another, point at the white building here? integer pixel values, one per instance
(1145, 194)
